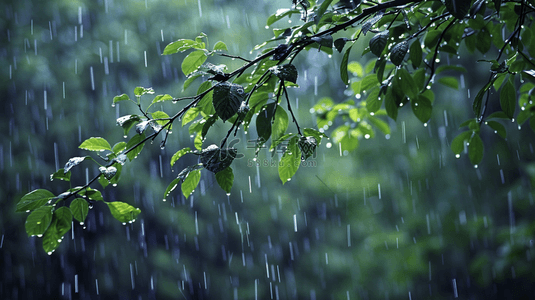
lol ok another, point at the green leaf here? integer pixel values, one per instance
(484, 41)
(162, 118)
(343, 66)
(33, 200)
(398, 52)
(290, 160)
(380, 124)
(280, 124)
(225, 179)
(378, 42)
(79, 209)
(193, 61)
(458, 8)
(61, 224)
(140, 91)
(314, 133)
(431, 38)
(136, 139)
(206, 126)
(263, 121)
(340, 43)
(161, 98)
(61, 175)
(415, 53)
(190, 182)
(498, 128)
(307, 145)
(120, 146)
(220, 46)
(227, 99)
(422, 108)
(190, 115)
(179, 154)
(478, 101)
(95, 144)
(457, 144)
(181, 46)
(171, 187)
(91, 194)
(123, 212)
(321, 10)
(475, 149)
(286, 72)
(197, 142)
(281, 13)
(324, 40)
(120, 98)
(215, 159)
(127, 122)
(373, 101)
(190, 80)
(39, 220)
(391, 105)
(407, 83)
(508, 99)
(449, 81)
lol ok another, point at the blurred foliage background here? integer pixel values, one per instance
(397, 218)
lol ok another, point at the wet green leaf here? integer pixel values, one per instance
(227, 99)
(476, 149)
(39, 220)
(508, 99)
(290, 160)
(193, 61)
(95, 144)
(34, 199)
(79, 209)
(190, 182)
(179, 154)
(225, 179)
(61, 224)
(123, 212)
(378, 42)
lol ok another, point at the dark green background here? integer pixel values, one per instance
(400, 217)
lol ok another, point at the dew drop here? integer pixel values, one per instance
(457, 156)
(476, 166)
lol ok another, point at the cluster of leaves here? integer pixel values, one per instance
(409, 39)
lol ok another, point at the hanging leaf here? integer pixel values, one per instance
(508, 99)
(263, 122)
(378, 42)
(343, 66)
(458, 8)
(140, 91)
(61, 224)
(190, 182)
(215, 159)
(290, 160)
(280, 124)
(33, 200)
(415, 54)
(340, 43)
(95, 144)
(227, 98)
(127, 122)
(225, 179)
(476, 149)
(61, 175)
(324, 40)
(120, 98)
(321, 10)
(39, 220)
(286, 72)
(135, 140)
(397, 54)
(79, 209)
(498, 128)
(123, 212)
(220, 46)
(181, 46)
(422, 108)
(369, 24)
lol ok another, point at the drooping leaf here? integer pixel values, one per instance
(449, 81)
(33, 200)
(343, 66)
(476, 149)
(193, 61)
(280, 124)
(179, 154)
(39, 220)
(373, 101)
(215, 159)
(314, 133)
(79, 209)
(61, 224)
(321, 10)
(225, 179)
(398, 52)
(290, 160)
(281, 13)
(127, 122)
(286, 72)
(422, 108)
(161, 98)
(95, 144)
(478, 100)
(227, 98)
(263, 122)
(415, 54)
(340, 43)
(370, 22)
(108, 172)
(190, 115)
(457, 144)
(458, 8)
(135, 140)
(378, 42)
(190, 182)
(123, 212)
(324, 40)
(508, 99)
(498, 128)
